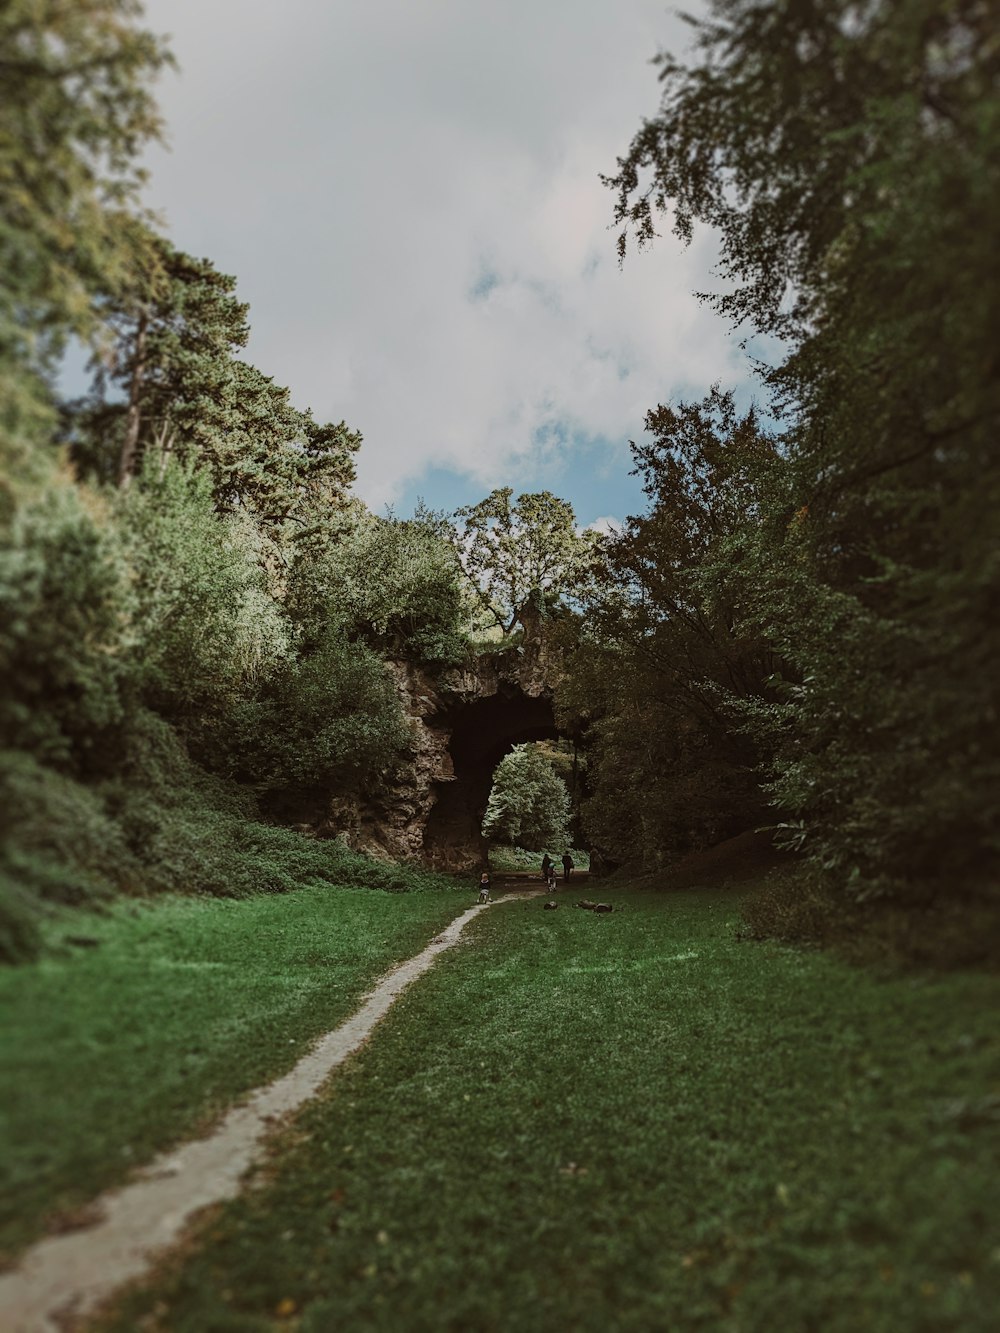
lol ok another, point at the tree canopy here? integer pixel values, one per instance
(513, 552)
(175, 384)
(529, 804)
(847, 157)
(76, 112)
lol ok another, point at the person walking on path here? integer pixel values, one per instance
(547, 864)
(484, 887)
(567, 863)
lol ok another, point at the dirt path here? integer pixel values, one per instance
(63, 1277)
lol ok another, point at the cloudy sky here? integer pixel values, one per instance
(408, 193)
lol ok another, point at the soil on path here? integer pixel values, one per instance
(62, 1278)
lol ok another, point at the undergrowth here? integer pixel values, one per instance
(800, 905)
(160, 825)
(517, 858)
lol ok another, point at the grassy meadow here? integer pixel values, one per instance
(161, 1014)
(627, 1122)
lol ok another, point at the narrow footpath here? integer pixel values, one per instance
(62, 1278)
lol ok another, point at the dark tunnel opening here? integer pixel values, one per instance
(482, 733)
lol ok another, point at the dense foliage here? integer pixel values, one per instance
(667, 659)
(529, 804)
(77, 109)
(194, 614)
(847, 157)
(520, 555)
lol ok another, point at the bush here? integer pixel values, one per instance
(58, 838)
(332, 719)
(65, 609)
(392, 582)
(802, 905)
(163, 825)
(20, 936)
(206, 625)
(516, 858)
(196, 832)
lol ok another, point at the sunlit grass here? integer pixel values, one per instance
(629, 1122)
(112, 1049)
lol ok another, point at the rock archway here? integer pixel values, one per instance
(482, 732)
(462, 723)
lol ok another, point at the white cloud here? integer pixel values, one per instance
(408, 193)
(606, 525)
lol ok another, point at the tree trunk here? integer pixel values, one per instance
(165, 446)
(129, 458)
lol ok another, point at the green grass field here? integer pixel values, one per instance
(627, 1122)
(111, 1051)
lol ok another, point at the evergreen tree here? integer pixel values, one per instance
(176, 385)
(75, 113)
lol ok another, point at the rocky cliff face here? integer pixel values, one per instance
(462, 722)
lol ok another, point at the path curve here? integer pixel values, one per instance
(62, 1278)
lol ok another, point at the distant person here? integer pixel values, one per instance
(567, 861)
(547, 864)
(484, 887)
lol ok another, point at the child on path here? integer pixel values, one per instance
(484, 887)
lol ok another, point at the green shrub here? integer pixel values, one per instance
(20, 936)
(206, 624)
(794, 905)
(65, 608)
(331, 719)
(196, 832)
(803, 905)
(162, 825)
(69, 849)
(517, 858)
(392, 582)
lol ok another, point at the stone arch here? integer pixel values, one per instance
(462, 722)
(481, 732)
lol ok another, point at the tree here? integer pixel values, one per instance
(327, 720)
(159, 634)
(529, 805)
(393, 582)
(847, 157)
(66, 604)
(206, 622)
(176, 385)
(514, 552)
(75, 114)
(667, 659)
